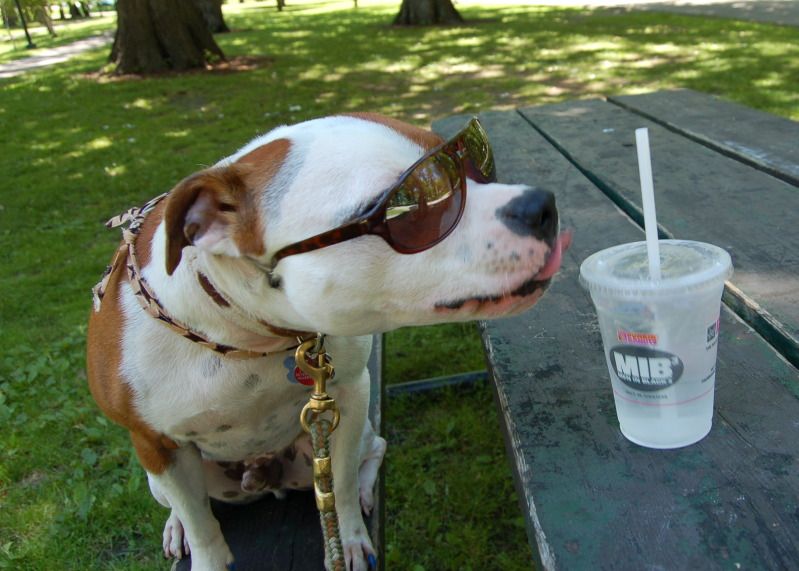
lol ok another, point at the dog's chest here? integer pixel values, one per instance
(231, 410)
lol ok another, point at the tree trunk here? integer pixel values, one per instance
(427, 13)
(43, 17)
(74, 11)
(10, 17)
(212, 14)
(161, 35)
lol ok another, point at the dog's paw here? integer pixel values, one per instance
(359, 555)
(214, 555)
(176, 543)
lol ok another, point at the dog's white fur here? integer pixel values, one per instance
(218, 409)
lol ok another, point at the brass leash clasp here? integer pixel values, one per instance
(320, 402)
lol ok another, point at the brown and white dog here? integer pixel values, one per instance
(204, 424)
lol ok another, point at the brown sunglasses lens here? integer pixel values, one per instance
(480, 158)
(427, 204)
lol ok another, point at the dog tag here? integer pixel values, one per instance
(296, 375)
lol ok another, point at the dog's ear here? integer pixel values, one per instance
(218, 209)
(211, 210)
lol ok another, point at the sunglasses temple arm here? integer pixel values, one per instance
(322, 240)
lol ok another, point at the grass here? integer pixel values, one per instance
(77, 150)
(448, 486)
(13, 44)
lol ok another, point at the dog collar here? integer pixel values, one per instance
(126, 253)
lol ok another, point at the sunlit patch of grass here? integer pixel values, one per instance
(99, 143)
(68, 31)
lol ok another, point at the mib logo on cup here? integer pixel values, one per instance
(713, 331)
(645, 369)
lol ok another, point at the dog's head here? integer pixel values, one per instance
(299, 181)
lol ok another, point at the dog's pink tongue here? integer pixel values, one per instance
(553, 263)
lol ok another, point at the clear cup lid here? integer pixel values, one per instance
(684, 265)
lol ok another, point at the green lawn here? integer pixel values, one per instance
(14, 46)
(77, 150)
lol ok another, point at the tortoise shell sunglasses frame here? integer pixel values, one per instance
(470, 153)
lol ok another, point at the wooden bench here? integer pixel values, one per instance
(285, 535)
(591, 499)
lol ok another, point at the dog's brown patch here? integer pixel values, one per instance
(265, 162)
(144, 240)
(425, 139)
(112, 393)
(265, 472)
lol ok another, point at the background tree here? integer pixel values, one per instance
(33, 10)
(43, 17)
(161, 35)
(427, 13)
(78, 10)
(212, 13)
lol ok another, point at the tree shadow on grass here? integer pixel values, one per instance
(528, 51)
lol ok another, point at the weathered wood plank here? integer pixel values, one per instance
(762, 140)
(271, 534)
(593, 500)
(285, 535)
(701, 195)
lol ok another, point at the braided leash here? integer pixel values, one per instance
(323, 482)
(320, 430)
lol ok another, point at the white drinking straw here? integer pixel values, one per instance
(648, 199)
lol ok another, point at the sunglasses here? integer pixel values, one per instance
(424, 205)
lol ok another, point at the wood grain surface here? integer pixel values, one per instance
(763, 140)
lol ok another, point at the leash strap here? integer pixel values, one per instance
(323, 487)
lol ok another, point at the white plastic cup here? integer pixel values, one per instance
(660, 336)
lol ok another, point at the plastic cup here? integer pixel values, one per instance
(660, 336)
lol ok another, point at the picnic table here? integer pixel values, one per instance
(724, 174)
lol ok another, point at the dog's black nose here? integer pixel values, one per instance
(532, 213)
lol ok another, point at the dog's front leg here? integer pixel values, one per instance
(182, 485)
(352, 398)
